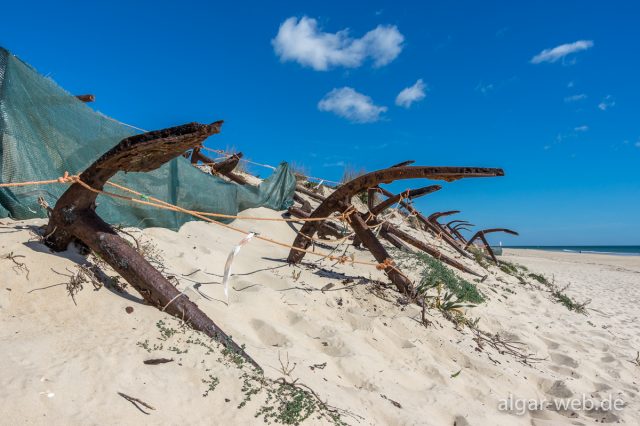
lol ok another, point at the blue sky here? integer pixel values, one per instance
(564, 126)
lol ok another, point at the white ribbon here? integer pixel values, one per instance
(232, 255)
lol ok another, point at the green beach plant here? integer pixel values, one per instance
(509, 268)
(479, 257)
(561, 297)
(452, 293)
(435, 273)
(212, 383)
(540, 278)
(283, 400)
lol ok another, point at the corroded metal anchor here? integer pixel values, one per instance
(74, 219)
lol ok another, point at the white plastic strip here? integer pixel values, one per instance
(227, 266)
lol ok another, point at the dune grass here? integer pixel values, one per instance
(435, 274)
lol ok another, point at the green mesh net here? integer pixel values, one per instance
(45, 131)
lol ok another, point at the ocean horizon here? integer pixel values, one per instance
(613, 250)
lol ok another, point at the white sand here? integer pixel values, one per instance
(65, 364)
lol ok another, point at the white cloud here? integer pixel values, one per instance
(351, 105)
(574, 98)
(412, 94)
(581, 128)
(559, 52)
(606, 103)
(638, 144)
(484, 88)
(301, 40)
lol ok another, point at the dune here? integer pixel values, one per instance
(339, 330)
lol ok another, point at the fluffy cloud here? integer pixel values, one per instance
(301, 40)
(411, 94)
(581, 128)
(575, 98)
(351, 105)
(559, 52)
(606, 103)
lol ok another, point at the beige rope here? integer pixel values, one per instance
(157, 203)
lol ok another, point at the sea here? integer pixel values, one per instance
(614, 250)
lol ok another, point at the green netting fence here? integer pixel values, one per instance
(45, 131)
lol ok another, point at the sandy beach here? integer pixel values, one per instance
(320, 213)
(336, 328)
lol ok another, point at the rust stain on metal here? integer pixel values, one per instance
(74, 219)
(346, 191)
(481, 236)
(409, 195)
(340, 199)
(435, 229)
(86, 98)
(224, 167)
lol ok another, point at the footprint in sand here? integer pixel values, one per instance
(599, 387)
(358, 322)
(602, 416)
(334, 346)
(369, 385)
(565, 371)
(460, 421)
(294, 317)
(559, 389)
(563, 360)
(268, 335)
(551, 344)
(542, 417)
(613, 373)
(608, 358)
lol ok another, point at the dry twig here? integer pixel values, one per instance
(18, 266)
(504, 346)
(286, 369)
(136, 401)
(157, 361)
